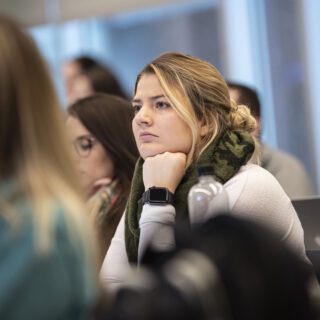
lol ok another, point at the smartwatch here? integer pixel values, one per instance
(157, 196)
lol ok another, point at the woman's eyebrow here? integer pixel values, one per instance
(85, 136)
(135, 100)
(157, 97)
(151, 98)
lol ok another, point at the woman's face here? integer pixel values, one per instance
(156, 126)
(92, 161)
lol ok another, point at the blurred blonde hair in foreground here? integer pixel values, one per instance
(33, 145)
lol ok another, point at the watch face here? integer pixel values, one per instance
(158, 194)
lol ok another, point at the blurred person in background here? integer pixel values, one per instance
(48, 266)
(288, 170)
(84, 76)
(227, 268)
(99, 127)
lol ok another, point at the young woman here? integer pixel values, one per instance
(184, 117)
(47, 259)
(105, 151)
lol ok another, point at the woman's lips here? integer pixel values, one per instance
(146, 136)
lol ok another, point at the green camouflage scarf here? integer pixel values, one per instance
(227, 154)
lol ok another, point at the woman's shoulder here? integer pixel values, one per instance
(20, 230)
(255, 185)
(254, 169)
(253, 173)
(255, 194)
(63, 269)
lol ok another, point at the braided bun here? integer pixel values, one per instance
(241, 118)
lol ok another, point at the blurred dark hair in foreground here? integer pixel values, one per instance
(226, 268)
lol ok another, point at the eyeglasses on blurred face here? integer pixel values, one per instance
(83, 145)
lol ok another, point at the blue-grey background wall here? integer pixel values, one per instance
(272, 45)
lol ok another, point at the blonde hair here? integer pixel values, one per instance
(33, 145)
(198, 92)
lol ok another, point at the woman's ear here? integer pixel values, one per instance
(204, 129)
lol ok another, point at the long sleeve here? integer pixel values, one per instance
(255, 194)
(116, 264)
(156, 228)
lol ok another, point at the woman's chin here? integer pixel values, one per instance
(146, 155)
(147, 151)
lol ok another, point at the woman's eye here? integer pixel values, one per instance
(162, 105)
(85, 145)
(136, 108)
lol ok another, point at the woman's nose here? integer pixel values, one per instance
(144, 116)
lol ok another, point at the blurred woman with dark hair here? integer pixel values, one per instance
(100, 129)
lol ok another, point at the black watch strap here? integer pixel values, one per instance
(157, 196)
